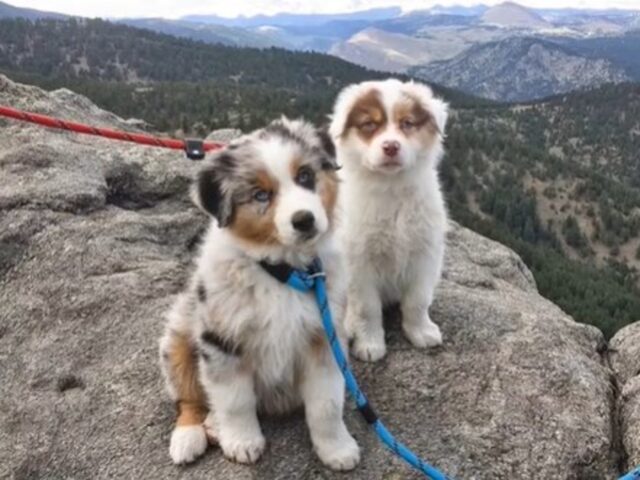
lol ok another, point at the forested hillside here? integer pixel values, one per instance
(173, 82)
(558, 181)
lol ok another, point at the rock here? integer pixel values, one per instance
(223, 135)
(625, 360)
(97, 236)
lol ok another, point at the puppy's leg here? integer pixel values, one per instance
(229, 387)
(416, 322)
(322, 391)
(364, 316)
(178, 358)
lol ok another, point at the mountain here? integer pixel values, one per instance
(512, 15)
(622, 50)
(380, 50)
(423, 22)
(472, 11)
(286, 19)
(373, 48)
(9, 11)
(506, 52)
(521, 68)
(209, 33)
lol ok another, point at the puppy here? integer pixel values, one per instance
(238, 340)
(388, 137)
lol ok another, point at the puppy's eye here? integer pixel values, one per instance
(306, 178)
(261, 196)
(369, 127)
(407, 124)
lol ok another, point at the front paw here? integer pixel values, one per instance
(187, 443)
(368, 349)
(242, 448)
(423, 334)
(341, 455)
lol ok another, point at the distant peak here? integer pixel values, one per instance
(511, 14)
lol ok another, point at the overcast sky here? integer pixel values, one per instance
(227, 8)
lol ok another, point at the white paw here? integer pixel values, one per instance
(187, 443)
(243, 449)
(368, 349)
(340, 455)
(423, 334)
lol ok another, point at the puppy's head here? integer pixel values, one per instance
(388, 126)
(274, 187)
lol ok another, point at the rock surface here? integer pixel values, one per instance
(625, 360)
(97, 236)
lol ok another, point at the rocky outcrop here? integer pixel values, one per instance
(97, 236)
(625, 361)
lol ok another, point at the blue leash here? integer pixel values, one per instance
(314, 279)
(632, 475)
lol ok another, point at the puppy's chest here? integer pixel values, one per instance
(272, 322)
(391, 232)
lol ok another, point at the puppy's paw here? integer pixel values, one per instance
(341, 455)
(243, 449)
(423, 334)
(368, 350)
(187, 443)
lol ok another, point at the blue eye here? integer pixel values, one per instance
(261, 196)
(306, 178)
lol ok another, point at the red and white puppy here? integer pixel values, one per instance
(388, 136)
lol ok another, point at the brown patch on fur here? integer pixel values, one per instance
(252, 224)
(294, 166)
(191, 405)
(424, 125)
(328, 191)
(367, 116)
(265, 182)
(318, 343)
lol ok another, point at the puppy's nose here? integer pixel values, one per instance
(391, 148)
(303, 221)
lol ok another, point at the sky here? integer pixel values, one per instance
(226, 8)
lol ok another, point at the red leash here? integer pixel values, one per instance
(195, 149)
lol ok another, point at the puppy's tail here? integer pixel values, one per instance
(178, 357)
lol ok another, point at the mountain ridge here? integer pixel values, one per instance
(520, 69)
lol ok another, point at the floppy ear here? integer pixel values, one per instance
(440, 111)
(342, 108)
(208, 190)
(329, 162)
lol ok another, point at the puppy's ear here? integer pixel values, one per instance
(209, 193)
(440, 112)
(329, 161)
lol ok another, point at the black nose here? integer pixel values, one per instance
(303, 221)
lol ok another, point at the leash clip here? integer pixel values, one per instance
(316, 275)
(194, 148)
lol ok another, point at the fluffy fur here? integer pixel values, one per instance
(237, 340)
(388, 137)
